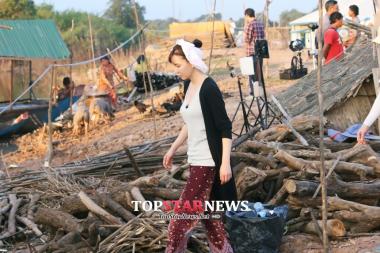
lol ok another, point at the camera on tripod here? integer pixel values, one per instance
(296, 45)
(296, 69)
(313, 26)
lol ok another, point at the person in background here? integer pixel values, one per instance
(141, 64)
(106, 83)
(232, 27)
(353, 13)
(333, 46)
(253, 30)
(68, 86)
(330, 7)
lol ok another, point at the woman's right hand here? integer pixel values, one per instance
(362, 132)
(168, 159)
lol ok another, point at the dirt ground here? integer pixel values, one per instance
(131, 128)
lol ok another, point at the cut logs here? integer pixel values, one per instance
(278, 169)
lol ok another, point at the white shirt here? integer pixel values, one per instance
(374, 113)
(198, 151)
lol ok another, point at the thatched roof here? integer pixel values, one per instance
(340, 81)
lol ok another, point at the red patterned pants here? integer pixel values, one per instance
(198, 187)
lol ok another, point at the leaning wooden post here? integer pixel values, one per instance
(212, 37)
(50, 131)
(147, 72)
(321, 132)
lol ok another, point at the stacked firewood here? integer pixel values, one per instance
(91, 210)
(93, 214)
(276, 169)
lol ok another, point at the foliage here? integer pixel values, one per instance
(17, 9)
(289, 15)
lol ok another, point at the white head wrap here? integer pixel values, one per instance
(193, 54)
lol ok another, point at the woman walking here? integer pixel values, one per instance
(207, 130)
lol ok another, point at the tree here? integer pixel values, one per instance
(289, 15)
(207, 17)
(17, 9)
(122, 13)
(45, 11)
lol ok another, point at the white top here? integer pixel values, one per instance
(198, 151)
(374, 113)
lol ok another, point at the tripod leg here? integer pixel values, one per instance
(260, 117)
(250, 108)
(236, 111)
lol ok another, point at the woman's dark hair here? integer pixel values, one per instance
(249, 12)
(335, 16)
(197, 43)
(355, 9)
(177, 50)
(66, 81)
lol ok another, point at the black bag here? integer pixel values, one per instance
(261, 48)
(255, 235)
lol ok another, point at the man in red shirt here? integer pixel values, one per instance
(333, 46)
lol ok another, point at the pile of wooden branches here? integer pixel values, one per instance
(91, 210)
(91, 214)
(276, 169)
(123, 164)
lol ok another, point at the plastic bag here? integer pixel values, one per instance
(250, 233)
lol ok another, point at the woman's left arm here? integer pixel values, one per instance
(224, 126)
(225, 168)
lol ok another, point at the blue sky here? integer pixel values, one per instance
(188, 9)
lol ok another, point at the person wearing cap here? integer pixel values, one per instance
(207, 130)
(106, 83)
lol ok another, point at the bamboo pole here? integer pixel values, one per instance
(71, 68)
(11, 85)
(147, 72)
(50, 139)
(92, 46)
(321, 134)
(137, 21)
(30, 79)
(212, 36)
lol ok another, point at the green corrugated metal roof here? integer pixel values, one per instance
(32, 39)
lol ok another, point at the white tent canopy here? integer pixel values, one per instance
(366, 12)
